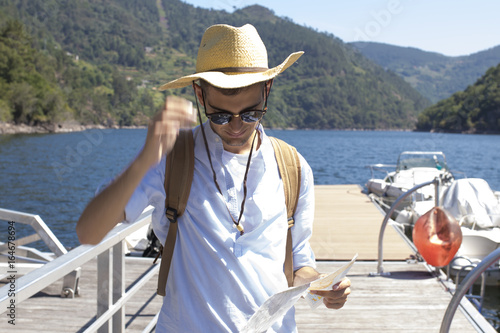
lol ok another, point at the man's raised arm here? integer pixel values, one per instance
(108, 207)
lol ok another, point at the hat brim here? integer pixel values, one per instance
(233, 80)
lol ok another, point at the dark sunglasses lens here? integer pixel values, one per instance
(251, 116)
(220, 119)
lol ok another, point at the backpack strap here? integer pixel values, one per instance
(290, 171)
(179, 169)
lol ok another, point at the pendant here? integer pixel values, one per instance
(240, 229)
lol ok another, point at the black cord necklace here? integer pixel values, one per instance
(236, 222)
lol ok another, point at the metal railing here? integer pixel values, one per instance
(35, 259)
(380, 269)
(465, 286)
(381, 168)
(111, 295)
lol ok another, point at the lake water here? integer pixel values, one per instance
(55, 175)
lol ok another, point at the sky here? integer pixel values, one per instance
(449, 27)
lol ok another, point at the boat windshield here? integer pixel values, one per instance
(411, 160)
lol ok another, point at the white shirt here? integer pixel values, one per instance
(218, 278)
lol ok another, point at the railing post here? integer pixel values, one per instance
(118, 286)
(111, 286)
(380, 270)
(104, 287)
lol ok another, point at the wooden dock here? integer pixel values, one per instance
(411, 299)
(347, 222)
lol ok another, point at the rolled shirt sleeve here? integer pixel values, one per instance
(137, 203)
(150, 192)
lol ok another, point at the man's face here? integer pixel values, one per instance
(236, 135)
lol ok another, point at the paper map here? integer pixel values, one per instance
(277, 305)
(327, 282)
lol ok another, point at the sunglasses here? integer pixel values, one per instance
(248, 116)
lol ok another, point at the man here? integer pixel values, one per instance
(230, 248)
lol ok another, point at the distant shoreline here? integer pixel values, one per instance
(10, 128)
(68, 127)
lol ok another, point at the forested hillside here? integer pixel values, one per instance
(71, 60)
(99, 62)
(434, 75)
(475, 110)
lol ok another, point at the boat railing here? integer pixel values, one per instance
(465, 286)
(380, 168)
(111, 295)
(473, 221)
(33, 258)
(461, 269)
(462, 174)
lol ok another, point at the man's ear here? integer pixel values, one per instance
(198, 92)
(269, 84)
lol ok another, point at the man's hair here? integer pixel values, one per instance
(225, 91)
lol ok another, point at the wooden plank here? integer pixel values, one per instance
(410, 300)
(347, 222)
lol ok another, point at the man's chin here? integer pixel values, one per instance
(237, 146)
(234, 142)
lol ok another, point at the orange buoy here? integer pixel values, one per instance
(437, 236)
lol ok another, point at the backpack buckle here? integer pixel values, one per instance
(171, 214)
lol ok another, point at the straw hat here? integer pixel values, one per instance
(231, 57)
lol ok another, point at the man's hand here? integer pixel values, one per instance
(164, 128)
(334, 298)
(337, 296)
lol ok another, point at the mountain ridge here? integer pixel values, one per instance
(106, 71)
(434, 75)
(474, 110)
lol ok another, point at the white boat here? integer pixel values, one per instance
(476, 207)
(471, 201)
(412, 168)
